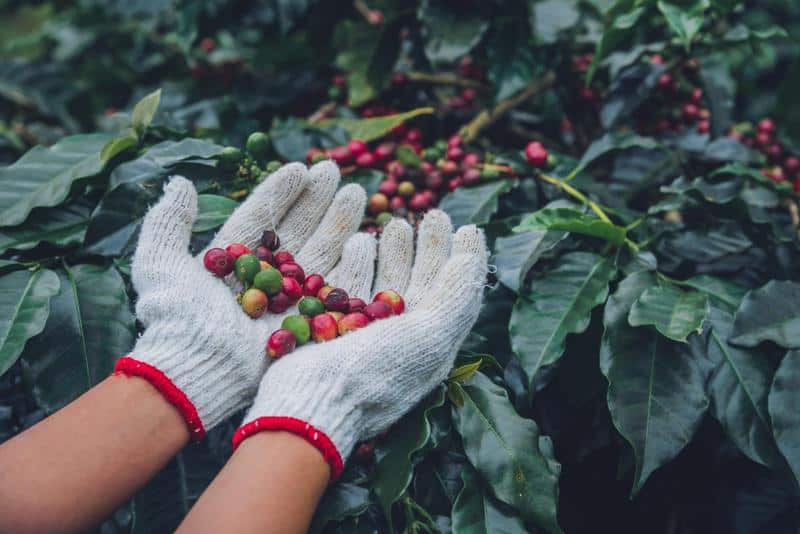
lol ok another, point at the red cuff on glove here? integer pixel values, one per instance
(315, 437)
(160, 381)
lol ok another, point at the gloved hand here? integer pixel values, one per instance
(199, 348)
(337, 393)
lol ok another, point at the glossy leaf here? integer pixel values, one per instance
(784, 409)
(474, 205)
(89, 327)
(769, 313)
(144, 111)
(43, 176)
(673, 312)
(450, 32)
(212, 212)
(514, 459)
(61, 226)
(374, 128)
(551, 17)
(684, 19)
(341, 500)
(24, 307)
(558, 304)
(655, 389)
(723, 293)
(572, 220)
(117, 146)
(611, 142)
(515, 254)
(475, 511)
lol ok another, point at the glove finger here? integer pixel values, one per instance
(395, 255)
(324, 247)
(304, 217)
(166, 231)
(355, 270)
(264, 208)
(433, 249)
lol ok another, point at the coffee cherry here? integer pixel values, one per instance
(323, 327)
(763, 139)
(258, 144)
(339, 80)
(365, 453)
(703, 126)
(393, 299)
(237, 249)
(388, 188)
(281, 342)
(313, 284)
(470, 160)
(270, 240)
(774, 151)
(397, 203)
(247, 267)
(336, 315)
(377, 310)
(414, 135)
(279, 302)
(230, 156)
(434, 180)
(471, 177)
(292, 288)
(357, 147)
(323, 292)
(665, 81)
(310, 306)
(292, 270)
(208, 45)
(337, 300)
(536, 154)
(432, 198)
(384, 151)
(690, 112)
(254, 302)
(378, 203)
(283, 256)
(341, 155)
(270, 281)
(419, 202)
(448, 167)
(264, 254)
(219, 261)
(697, 95)
(791, 164)
(454, 183)
(766, 125)
(366, 160)
(356, 304)
(405, 189)
(455, 153)
(352, 321)
(298, 326)
(383, 218)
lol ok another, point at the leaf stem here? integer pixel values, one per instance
(574, 193)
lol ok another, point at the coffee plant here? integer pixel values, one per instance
(636, 367)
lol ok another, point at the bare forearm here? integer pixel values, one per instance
(71, 470)
(272, 483)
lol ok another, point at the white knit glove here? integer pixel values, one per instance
(337, 393)
(199, 348)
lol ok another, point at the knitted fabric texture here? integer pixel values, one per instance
(195, 332)
(356, 386)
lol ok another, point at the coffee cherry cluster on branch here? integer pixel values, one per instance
(328, 312)
(271, 278)
(783, 165)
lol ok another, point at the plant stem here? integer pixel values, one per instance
(486, 118)
(574, 193)
(444, 79)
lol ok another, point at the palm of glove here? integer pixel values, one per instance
(195, 332)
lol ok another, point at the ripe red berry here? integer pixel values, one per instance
(264, 254)
(323, 327)
(283, 256)
(791, 164)
(399, 78)
(292, 270)
(291, 287)
(208, 45)
(337, 300)
(280, 342)
(356, 304)
(254, 302)
(766, 125)
(697, 95)
(536, 154)
(468, 94)
(455, 153)
(432, 197)
(312, 284)
(434, 180)
(388, 188)
(471, 177)
(454, 140)
(797, 186)
(375, 16)
(470, 160)
(384, 151)
(395, 168)
(357, 147)
(378, 203)
(774, 151)
(588, 94)
(339, 80)
(365, 453)
(448, 167)
(418, 202)
(378, 310)
(703, 126)
(414, 135)
(453, 183)
(219, 261)
(341, 155)
(397, 203)
(665, 80)
(690, 112)
(657, 59)
(763, 139)
(279, 302)
(393, 299)
(366, 160)
(237, 249)
(352, 321)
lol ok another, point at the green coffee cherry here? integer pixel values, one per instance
(273, 166)
(490, 174)
(431, 154)
(270, 281)
(258, 144)
(320, 156)
(230, 155)
(297, 325)
(246, 268)
(310, 306)
(383, 218)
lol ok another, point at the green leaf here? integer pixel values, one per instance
(212, 212)
(784, 409)
(474, 205)
(624, 18)
(43, 176)
(515, 254)
(737, 389)
(449, 31)
(685, 20)
(475, 511)
(118, 146)
(611, 142)
(24, 307)
(723, 293)
(551, 17)
(62, 226)
(572, 220)
(511, 59)
(514, 459)
(341, 500)
(369, 179)
(89, 327)
(706, 245)
(560, 303)
(673, 312)
(370, 129)
(769, 313)
(655, 389)
(406, 155)
(741, 33)
(367, 54)
(144, 111)
(465, 372)
(394, 469)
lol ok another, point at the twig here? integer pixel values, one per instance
(444, 79)
(488, 117)
(322, 112)
(574, 193)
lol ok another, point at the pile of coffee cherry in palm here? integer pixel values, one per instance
(272, 281)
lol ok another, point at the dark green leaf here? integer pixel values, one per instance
(510, 453)
(44, 176)
(572, 220)
(24, 307)
(340, 501)
(474, 205)
(369, 179)
(517, 253)
(212, 212)
(117, 146)
(741, 33)
(673, 312)
(769, 313)
(374, 128)
(722, 292)
(704, 246)
(89, 327)
(511, 60)
(367, 54)
(784, 409)
(610, 142)
(560, 303)
(655, 388)
(551, 17)
(450, 31)
(477, 512)
(61, 226)
(685, 20)
(143, 112)
(624, 18)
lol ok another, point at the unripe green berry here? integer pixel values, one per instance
(297, 325)
(383, 218)
(310, 306)
(270, 281)
(230, 156)
(258, 144)
(273, 166)
(246, 268)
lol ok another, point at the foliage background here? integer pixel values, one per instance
(658, 391)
